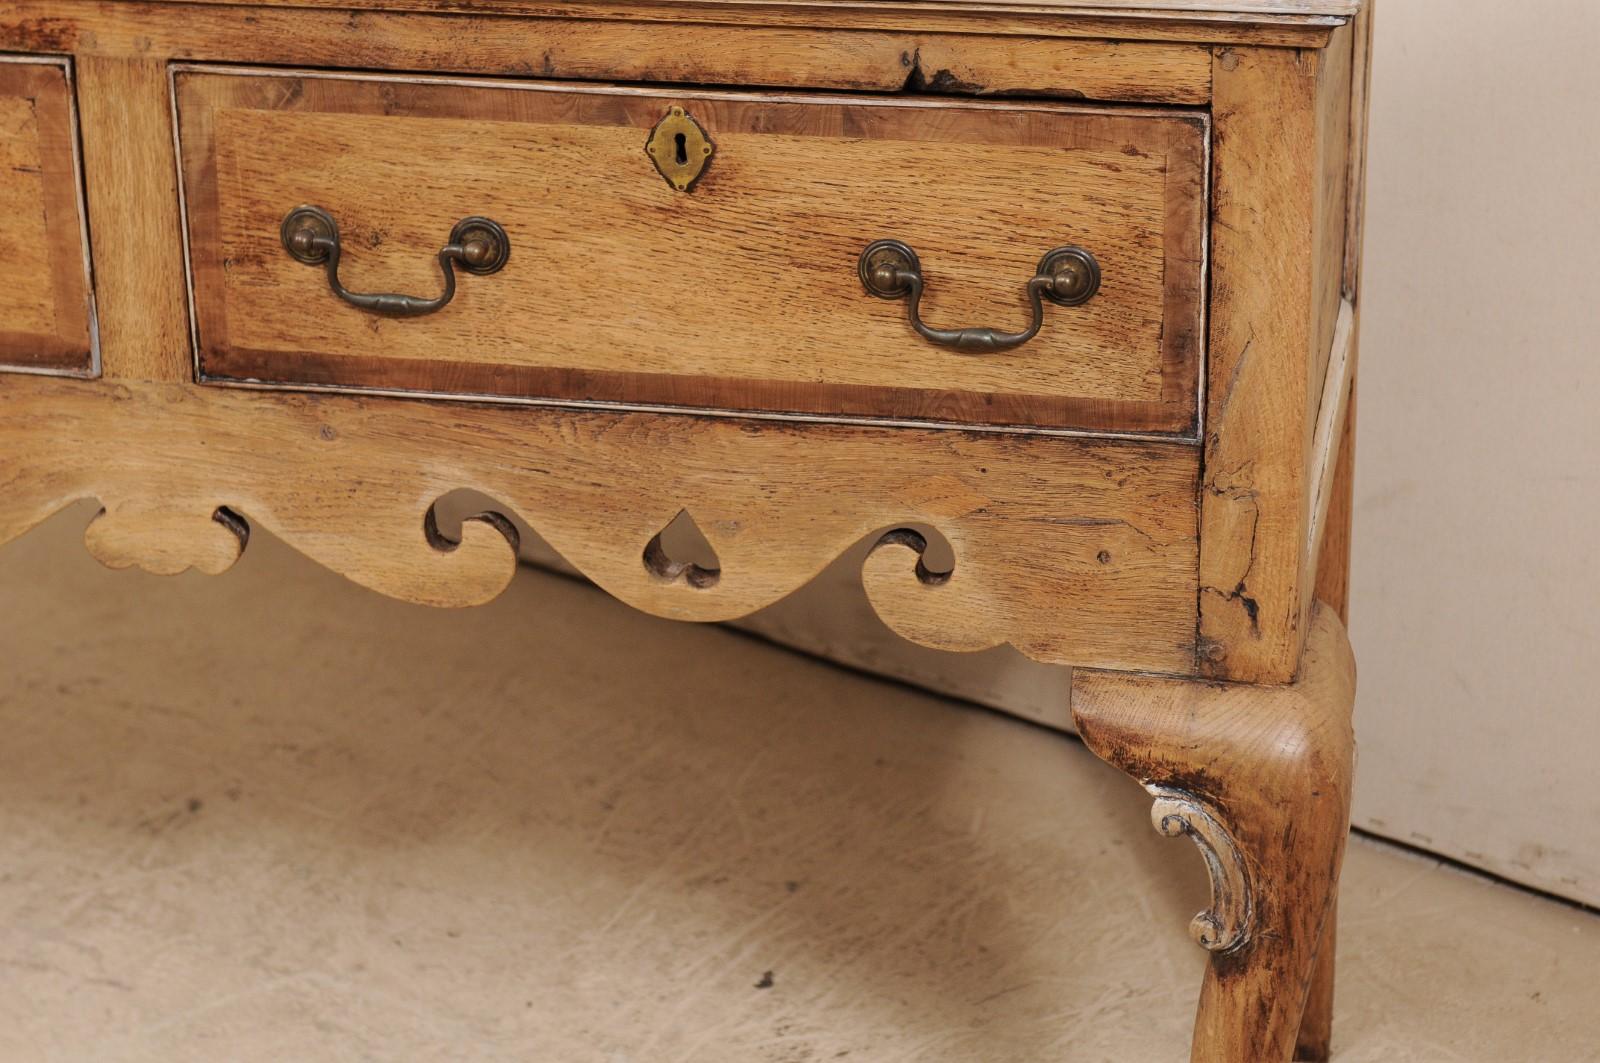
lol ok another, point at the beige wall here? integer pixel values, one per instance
(1477, 576)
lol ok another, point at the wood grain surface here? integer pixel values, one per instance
(1285, 23)
(1334, 130)
(132, 188)
(1331, 539)
(1174, 569)
(1327, 448)
(1281, 188)
(1272, 767)
(46, 318)
(1074, 551)
(1265, 9)
(740, 294)
(904, 60)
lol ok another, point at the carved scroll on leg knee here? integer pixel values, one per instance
(1259, 778)
(1226, 924)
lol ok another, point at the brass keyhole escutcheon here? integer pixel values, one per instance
(680, 149)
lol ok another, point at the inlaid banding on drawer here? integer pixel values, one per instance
(742, 293)
(46, 315)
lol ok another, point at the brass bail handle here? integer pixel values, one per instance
(1067, 276)
(477, 245)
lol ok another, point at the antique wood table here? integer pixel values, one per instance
(730, 262)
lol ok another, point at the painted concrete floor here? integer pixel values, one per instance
(271, 816)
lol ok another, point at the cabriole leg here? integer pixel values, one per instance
(1315, 1042)
(1259, 778)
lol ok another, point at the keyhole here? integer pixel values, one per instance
(683, 149)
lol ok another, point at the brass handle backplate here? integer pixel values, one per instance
(477, 245)
(1067, 276)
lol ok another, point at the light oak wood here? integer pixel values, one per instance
(791, 56)
(46, 313)
(622, 288)
(1074, 551)
(1335, 71)
(1242, 22)
(1356, 197)
(1253, 511)
(1260, 776)
(131, 178)
(1331, 552)
(1280, 189)
(1328, 439)
(1331, 544)
(1180, 580)
(1266, 10)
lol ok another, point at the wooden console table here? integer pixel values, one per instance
(314, 265)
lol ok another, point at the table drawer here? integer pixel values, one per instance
(46, 318)
(741, 291)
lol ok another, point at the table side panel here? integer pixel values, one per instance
(1282, 173)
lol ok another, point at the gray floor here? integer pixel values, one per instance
(270, 816)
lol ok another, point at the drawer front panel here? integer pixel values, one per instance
(46, 320)
(740, 293)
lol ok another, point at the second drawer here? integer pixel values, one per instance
(742, 291)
